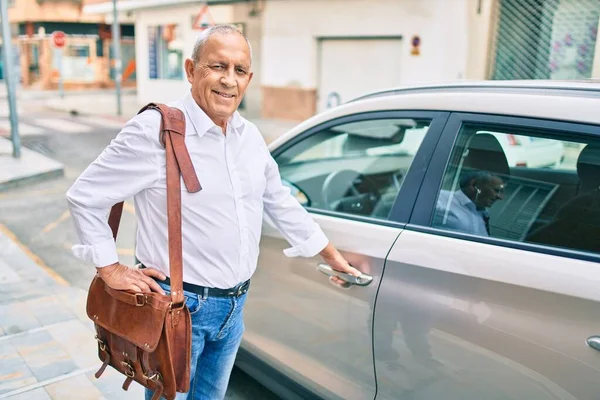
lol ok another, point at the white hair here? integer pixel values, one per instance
(222, 29)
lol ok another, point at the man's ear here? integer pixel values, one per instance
(190, 68)
(250, 77)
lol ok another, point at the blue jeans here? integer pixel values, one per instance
(217, 328)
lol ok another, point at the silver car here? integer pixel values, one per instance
(485, 274)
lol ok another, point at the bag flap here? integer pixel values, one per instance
(137, 318)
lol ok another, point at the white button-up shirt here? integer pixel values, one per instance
(221, 224)
(457, 212)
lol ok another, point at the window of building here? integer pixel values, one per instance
(165, 52)
(523, 185)
(545, 39)
(353, 168)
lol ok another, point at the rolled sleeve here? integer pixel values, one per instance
(127, 166)
(101, 254)
(310, 247)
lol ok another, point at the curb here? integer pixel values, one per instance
(26, 180)
(29, 168)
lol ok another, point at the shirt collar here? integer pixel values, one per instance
(463, 200)
(202, 123)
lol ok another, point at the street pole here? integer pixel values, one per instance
(59, 57)
(116, 37)
(9, 77)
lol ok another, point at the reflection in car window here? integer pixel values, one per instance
(354, 168)
(522, 185)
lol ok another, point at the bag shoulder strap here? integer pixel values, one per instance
(173, 123)
(179, 163)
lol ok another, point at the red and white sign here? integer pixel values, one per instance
(58, 37)
(203, 20)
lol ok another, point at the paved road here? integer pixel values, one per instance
(38, 216)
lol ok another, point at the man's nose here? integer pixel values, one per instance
(228, 79)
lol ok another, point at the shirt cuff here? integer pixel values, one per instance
(100, 254)
(310, 248)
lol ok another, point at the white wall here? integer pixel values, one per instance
(165, 90)
(482, 19)
(291, 29)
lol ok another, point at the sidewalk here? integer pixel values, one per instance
(103, 103)
(47, 345)
(30, 167)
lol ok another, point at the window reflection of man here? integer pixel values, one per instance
(465, 210)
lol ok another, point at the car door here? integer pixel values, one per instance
(504, 311)
(348, 174)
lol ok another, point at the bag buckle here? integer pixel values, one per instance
(101, 343)
(155, 377)
(130, 372)
(177, 306)
(140, 299)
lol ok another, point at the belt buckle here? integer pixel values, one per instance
(242, 289)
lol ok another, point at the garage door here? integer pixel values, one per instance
(349, 68)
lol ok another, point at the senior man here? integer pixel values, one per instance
(466, 210)
(221, 225)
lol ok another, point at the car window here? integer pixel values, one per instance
(522, 185)
(354, 168)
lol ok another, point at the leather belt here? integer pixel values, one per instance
(236, 291)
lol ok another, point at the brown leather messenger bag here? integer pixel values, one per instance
(147, 336)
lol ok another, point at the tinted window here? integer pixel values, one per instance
(355, 168)
(522, 185)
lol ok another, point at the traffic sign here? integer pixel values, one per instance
(58, 37)
(203, 20)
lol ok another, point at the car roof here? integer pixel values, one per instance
(591, 86)
(571, 101)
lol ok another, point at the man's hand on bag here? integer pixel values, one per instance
(122, 277)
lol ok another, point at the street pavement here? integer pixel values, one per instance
(47, 346)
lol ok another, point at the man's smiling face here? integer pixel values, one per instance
(220, 76)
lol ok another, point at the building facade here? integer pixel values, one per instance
(309, 55)
(336, 50)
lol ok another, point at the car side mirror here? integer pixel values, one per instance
(297, 193)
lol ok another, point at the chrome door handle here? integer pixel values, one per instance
(362, 280)
(594, 342)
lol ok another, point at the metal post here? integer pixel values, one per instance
(116, 38)
(9, 77)
(59, 57)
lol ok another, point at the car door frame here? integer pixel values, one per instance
(428, 192)
(407, 195)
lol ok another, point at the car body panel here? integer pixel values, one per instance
(318, 334)
(468, 325)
